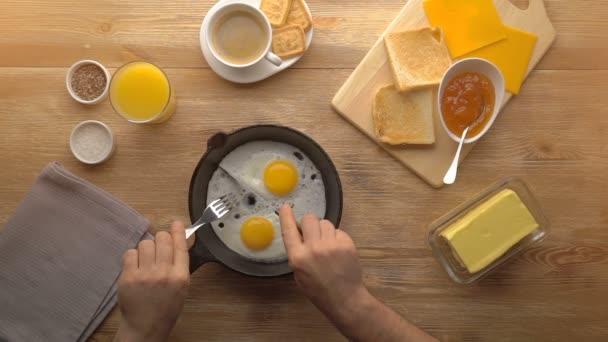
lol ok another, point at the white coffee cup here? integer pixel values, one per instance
(256, 12)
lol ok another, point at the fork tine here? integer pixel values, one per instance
(222, 213)
(226, 199)
(214, 202)
(218, 203)
(220, 207)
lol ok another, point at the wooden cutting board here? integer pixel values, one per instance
(354, 100)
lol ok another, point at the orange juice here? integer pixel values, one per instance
(141, 93)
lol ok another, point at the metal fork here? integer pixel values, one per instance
(214, 211)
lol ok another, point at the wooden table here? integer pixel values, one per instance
(554, 135)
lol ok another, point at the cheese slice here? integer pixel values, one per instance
(511, 55)
(489, 230)
(467, 24)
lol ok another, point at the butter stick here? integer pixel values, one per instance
(489, 230)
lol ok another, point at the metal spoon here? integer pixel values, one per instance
(450, 176)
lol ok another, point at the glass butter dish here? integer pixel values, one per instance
(457, 218)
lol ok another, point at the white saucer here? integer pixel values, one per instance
(254, 73)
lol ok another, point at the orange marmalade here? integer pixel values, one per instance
(467, 100)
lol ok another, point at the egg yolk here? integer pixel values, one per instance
(257, 233)
(280, 177)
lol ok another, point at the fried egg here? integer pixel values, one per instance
(251, 229)
(264, 175)
(279, 173)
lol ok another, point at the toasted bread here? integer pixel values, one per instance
(404, 118)
(418, 58)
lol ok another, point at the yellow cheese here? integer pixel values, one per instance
(467, 24)
(510, 55)
(489, 230)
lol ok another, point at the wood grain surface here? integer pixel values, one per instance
(553, 135)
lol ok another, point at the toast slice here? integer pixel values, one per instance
(404, 118)
(418, 58)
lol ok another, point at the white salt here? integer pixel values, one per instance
(92, 142)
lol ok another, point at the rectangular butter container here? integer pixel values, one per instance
(443, 252)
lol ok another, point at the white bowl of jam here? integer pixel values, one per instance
(470, 95)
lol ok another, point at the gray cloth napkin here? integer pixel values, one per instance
(60, 258)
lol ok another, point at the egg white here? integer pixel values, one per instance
(242, 172)
(228, 228)
(247, 163)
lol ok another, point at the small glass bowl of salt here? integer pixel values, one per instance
(92, 142)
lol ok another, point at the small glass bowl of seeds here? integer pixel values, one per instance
(88, 81)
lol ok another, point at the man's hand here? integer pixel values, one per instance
(153, 286)
(324, 261)
(326, 267)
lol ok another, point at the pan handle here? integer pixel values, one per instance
(218, 140)
(199, 254)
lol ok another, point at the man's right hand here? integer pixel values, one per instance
(326, 267)
(324, 261)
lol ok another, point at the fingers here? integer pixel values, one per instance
(147, 253)
(289, 229)
(341, 235)
(130, 260)
(311, 229)
(181, 259)
(328, 231)
(164, 249)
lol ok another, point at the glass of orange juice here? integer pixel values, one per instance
(141, 93)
